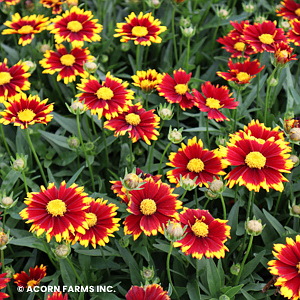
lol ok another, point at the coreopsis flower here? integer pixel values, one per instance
(57, 296)
(289, 10)
(241, 72)
(213, 99)
(32, 279)
(68, 64)
(137, 122)
(27, 27)
(142, 29)
(121, 191)
(75, 26)
(287, 268)
(204, 234)
(149, 292)
(283, 54)
(263, 36)
(54, 4)
(23, 111)
(11, 2)
(176, 90)
(100, 217)
(108, 99)
(294, 33)
(57, 212)
(150, 208)
(258, 164)
(3, 283)
(290, 123)
(194, 161)
(13, 80)
(147, 80)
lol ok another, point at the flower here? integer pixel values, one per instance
(33, 279)
(23, 111)
(27, 26)
(11, 2)
(108, 99)
(69, 65)
(214, 98)
(283, 53)
(194, 161)
(287, 267)
(54, 4)
(258, 164)
(149, 292)
(143, 29)
(241, 73)
(289, 10)
(13, 80)
(75, 26)
(263, 36)
(294, 33)
(150, 208)
(204, 234)
(58, 212)
(57, 296)
(137, 122)
(3, 282)
(176, 90)
(147, 80)
(101, 223)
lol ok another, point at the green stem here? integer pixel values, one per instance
(258, 88)
(224, 207)
(173, 34)
(2, 261)
(188, 54)
(84, 151)
(250, 205)
(207, 201)
(50, 255)
(138, 68)
(146, 102)
(74, 270)
(235, 110)
(268, 95)
(131, 156)
(3, 220)
(105, 144)
(57, 88)
(162, 157)
(168, 271)
(183, 195)
(35, 156)
(207, 134)
(277, 204)
(105, 261)
(244, 260)
(4, 140)
(196, 198)
(94, 127)
(88, 126)
(24, 180)
(178, 112)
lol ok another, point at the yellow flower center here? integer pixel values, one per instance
(213, 103)
(200, 229)
(105, 93)
(91, 219)
(239, 46)
(255, 160)
(5, 77)
(181, 89)
(26, 115)
(242, 76)
(26, 29)
(266, 38)
(298, 265)
(67, 60)
(133, 119)
(195, 165)
(74, 26)
(32, 283)
(56, 208)
(148, 207)
(297, 12)
(139, 31)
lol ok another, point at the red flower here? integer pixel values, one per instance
(263, 36)
(57, 296)
(176, 90)
(290, 10)
(3, 282)
(294, 33)
(283, 53)
(241, 73)
(149, 292)
(214, 98)
(33, 279)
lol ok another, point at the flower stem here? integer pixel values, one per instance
(224, 207)
(162, 157)
(4, 140)
(268, 94)
(178, 112)
(35, 156)
(183, 195)
(2, 261)
(235, 110)
(24, 180)
(105, 144)
(130, 156)
(250, 205)
(49, 255)
(207, 134)
(168, 270)
(74, 270)
(173, 34)
(188, 54)
(105, 261)
(244, 260)
(196, 198)
(138, 68)
(84, 151)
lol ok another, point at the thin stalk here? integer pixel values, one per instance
(244, 260)
(131, 156)
(235, 110)
(258, 88)
(224, 207)
(85, 154)
(105, 144)
(207, 201)
(268, 95)
(74, 270)
(3, 220)
(35, 156)
(4, 140)
(105, 262)
(162, 157)
(138, 57)
(173, 34)
(178, 112)
(250, 205)
(207, 134)
(57, 88)
(196, 198)
(277, 204)
(184, 193)
(94, 127)
(188, 54)
(88, 126)
(168, 271)
(24, 180)
(50, 255)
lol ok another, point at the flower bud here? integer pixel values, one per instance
(248, 8)
(223, 13)
(124, 242)
(188, 32)
(295, 159)
(90, 66)
(295, 134)
(44, 48)
(31, 65)
(273, 82)
(184, 22)
(254, 227)
(29, 5)
(211, 195)
(216, 186)
(147, 273)
(224, 297)
(296, 209)
(103, 58)
(9, 272)
(285, 25)
(3, 238)
(77, 105)
(62, 250)
(132, 181)
(7, 201)
(260, 19)
(235, 269)
(125, 47)
(19, 164)
(89, 146)
(175, 136)
(166, 113)
(175, 230)
(73, 142)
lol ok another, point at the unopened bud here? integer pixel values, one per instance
(44, 48)
(73, 142)
(273, 82)
(62, 251)
(91, 66)
(147, 273)
(76, 105)
(295, 159)
(285, 25)
(166, 113)
(295, 134)
(9, 272)
(216, 186)
(132, 180)
(248, 8)
(125, 47)
(254, 227)
(211, 195)
(224, 297)
(296, 209)
(175, 230)
(223, 13)
(235, 269)
(3, 238)
(18, 164)
(175, 136)
(7, 201)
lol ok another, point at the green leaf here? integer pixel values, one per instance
(276, 225)
(30, 241)
(74, 177)
(213, 278)
(67, 274)
(233, 290)
(193, 290)
(10, 180)
(59, 140)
